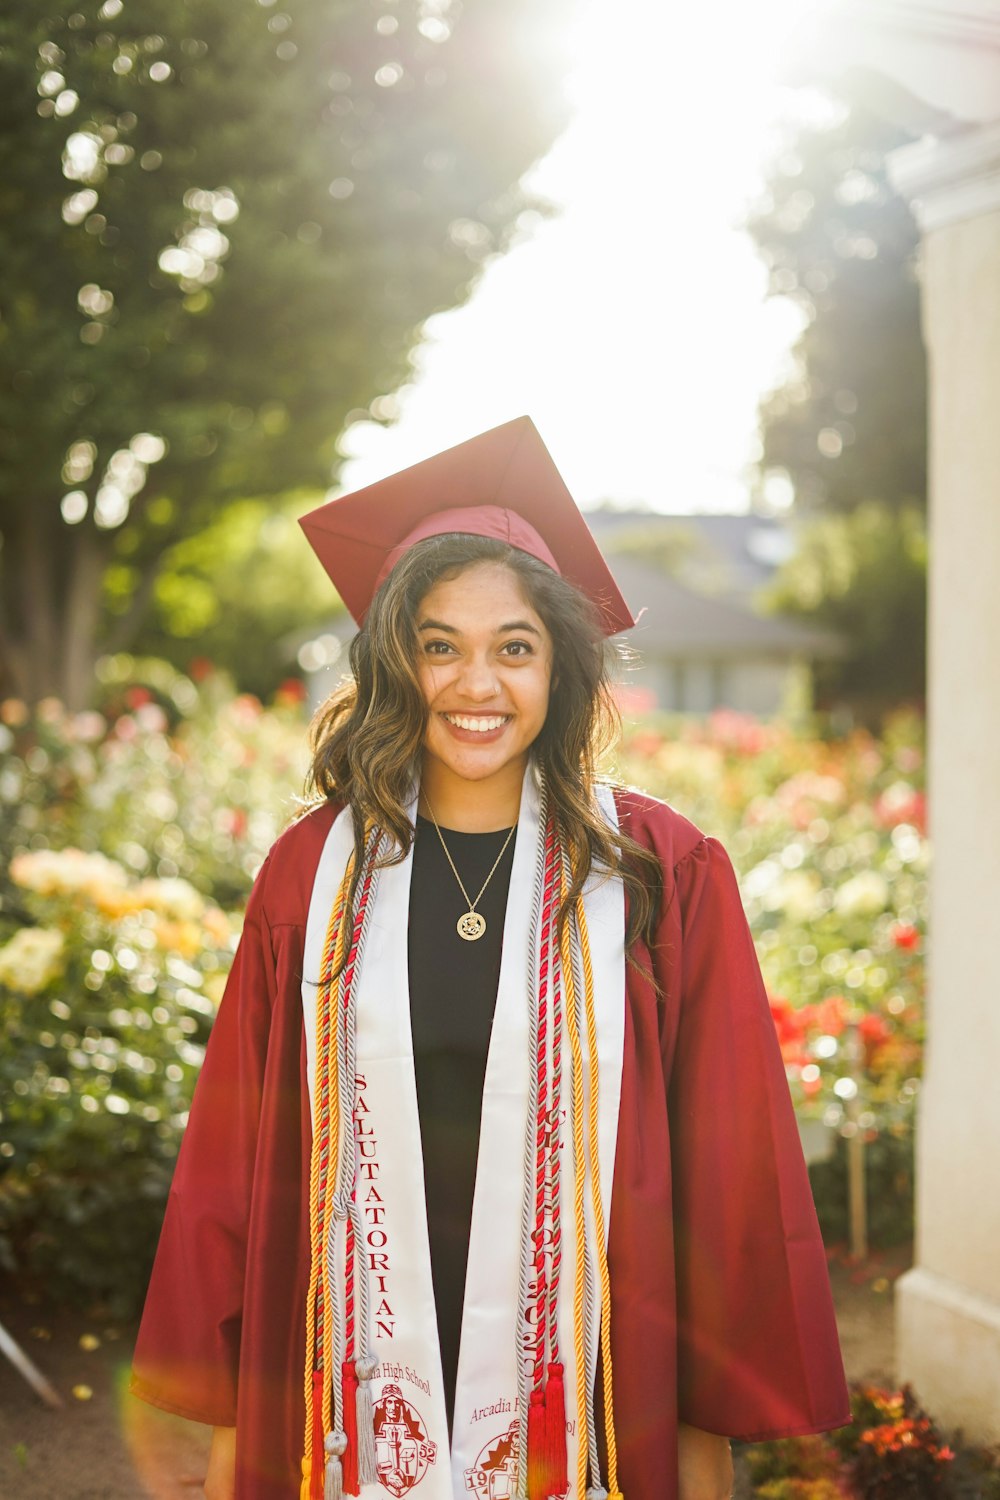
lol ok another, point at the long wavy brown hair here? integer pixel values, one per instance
(366, 738)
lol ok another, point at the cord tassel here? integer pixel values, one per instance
(349, 1386)
(538, 1468)
(315, 1464)
(333, 1485)
(555, 1431)
(367, 1458)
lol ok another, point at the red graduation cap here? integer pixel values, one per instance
(501, 483)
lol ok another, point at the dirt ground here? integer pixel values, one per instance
(104, 1445)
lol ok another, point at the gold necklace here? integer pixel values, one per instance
(471, 924)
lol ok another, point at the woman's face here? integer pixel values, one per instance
(484, 661)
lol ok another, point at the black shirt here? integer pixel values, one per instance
(453, 989)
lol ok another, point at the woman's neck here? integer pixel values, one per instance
(470, 806)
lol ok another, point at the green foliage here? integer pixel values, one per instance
(240, 592)
(801, 1459)
(850, 423)
(889, 1179)
(800, 1489)
(863, 574)
(221, 226)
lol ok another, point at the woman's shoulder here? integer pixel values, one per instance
(287, 874)
(656, 825)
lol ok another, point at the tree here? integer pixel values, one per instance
(849, 427)
(850, 423)
(221, 226)
(236, 592)
(863, 576)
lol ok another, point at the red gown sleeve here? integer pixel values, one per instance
(187, 1352)
(758, 1351)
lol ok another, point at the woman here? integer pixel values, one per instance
(492, 1184)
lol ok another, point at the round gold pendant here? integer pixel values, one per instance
(471, 926)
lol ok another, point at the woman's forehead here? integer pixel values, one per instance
(480, 589)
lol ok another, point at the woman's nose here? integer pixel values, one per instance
(479, 679)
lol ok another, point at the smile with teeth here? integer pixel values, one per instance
(482, 723)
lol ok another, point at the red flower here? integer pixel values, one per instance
(291, 690)
(199, 667)
(135, 697)
(874, 1030)
(904, 935)
(902, 804)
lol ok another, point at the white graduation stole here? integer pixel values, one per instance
(411, 1434)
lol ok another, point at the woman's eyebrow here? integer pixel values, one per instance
(502, 630)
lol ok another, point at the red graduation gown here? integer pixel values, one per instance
(721, 1309)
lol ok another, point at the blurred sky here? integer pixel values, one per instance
(632, 326)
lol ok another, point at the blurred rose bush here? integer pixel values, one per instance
(829, 840)
(124, 840)
(128, 842)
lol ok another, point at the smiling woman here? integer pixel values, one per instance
(492, 1182)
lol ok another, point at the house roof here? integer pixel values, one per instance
(678, 621)
(733, 555)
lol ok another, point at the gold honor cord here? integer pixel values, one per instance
(318, 1275)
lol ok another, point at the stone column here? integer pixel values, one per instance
(948, 1305)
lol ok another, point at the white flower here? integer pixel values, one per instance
(864, 894)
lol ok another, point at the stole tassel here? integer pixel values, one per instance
(556, 1462)
(349, 1386)
(333, 1485)
(367, 1458)
(538, 1468)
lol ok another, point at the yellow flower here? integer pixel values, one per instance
(184, 938)
(172, 897)
(216, 926)
(64, 872)
(32, 958)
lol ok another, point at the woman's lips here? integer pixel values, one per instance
(468, 736)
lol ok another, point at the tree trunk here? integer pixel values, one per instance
(29, 612)
(80, 616)
(50, 605)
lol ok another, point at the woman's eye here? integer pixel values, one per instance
(518, 648)
(437, 648)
